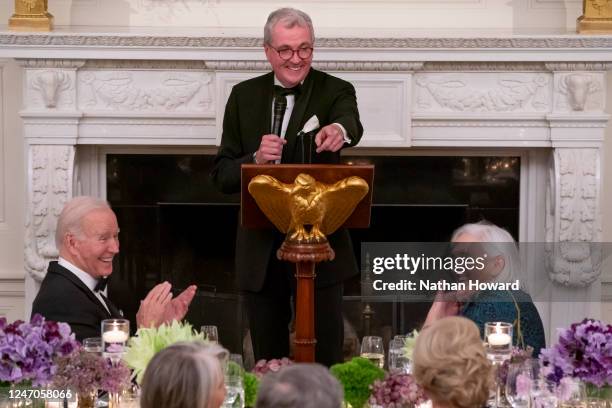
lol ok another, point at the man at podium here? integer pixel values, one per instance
(295, 114)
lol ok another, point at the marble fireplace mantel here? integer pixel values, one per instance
(540, 96)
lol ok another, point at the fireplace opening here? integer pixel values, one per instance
(175, 226)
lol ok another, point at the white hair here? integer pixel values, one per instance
(497, 241)
(71, 217)
(183, 375)
(290, 17)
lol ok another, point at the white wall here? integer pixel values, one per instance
(12, 194)
(606, 306)
(351, 17)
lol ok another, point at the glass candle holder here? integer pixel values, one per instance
(115, 334)
(498, 339)
(498, 343)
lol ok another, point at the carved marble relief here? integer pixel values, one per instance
(482, 93)
(573, 224)
(579, 91)
(50, 186)
(50, 89)
(142, 91)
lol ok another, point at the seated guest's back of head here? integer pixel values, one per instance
(185, 375)
(300, 386)
(451, 364)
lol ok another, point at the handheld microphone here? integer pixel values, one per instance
(280, 104)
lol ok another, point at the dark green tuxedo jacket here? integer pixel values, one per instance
(248, 115)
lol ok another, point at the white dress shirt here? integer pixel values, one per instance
(86, 278)
(289, 110)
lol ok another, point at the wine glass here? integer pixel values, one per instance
(372, 349)
(210, 333)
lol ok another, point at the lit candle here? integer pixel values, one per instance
(115, 336)
(499, 339)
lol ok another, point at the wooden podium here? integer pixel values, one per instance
(285, 179)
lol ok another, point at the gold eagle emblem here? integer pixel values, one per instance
(307, 210)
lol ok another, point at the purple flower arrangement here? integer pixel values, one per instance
(265, 366)
(85, 372)
(397, 390)
(27, 350)
(584, 351)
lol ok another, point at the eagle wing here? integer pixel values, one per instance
(273, 198)
(340, 199)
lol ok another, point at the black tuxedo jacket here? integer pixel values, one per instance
(247, 118)
(63, 297)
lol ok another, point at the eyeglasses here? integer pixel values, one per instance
(287, 53)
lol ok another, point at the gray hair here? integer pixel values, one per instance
(71, 217)
(300, 386)
(497, 241)
(290, 17)
(183, 375)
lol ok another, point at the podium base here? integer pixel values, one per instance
(295, 252)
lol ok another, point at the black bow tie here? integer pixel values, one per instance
(101, 285)
(280, 91)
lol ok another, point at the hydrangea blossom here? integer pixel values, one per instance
(265, 366)
(584, 351)
(396, 391)
(85, 372)
(27, 350)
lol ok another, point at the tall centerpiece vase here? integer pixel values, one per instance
(115, 334)
(498, 343)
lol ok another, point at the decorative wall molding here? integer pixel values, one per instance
(58, 39)
(50, 63)
(579, 92)
(460, 66)
(573, 220)
(578, 66)
(351, 66)
(145, 91)
(144, 64)
(50, 84)
(482, 93)
(51, 168)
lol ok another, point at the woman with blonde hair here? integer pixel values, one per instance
(450, 363)
(185, 375)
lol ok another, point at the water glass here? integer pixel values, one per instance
(93, 345)
(520, 383)
(210, 333)
(373, 350)
(398, 362)
(543, 394)
(234, 391)
(130, 398)
(115, 334)
(571, 393)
